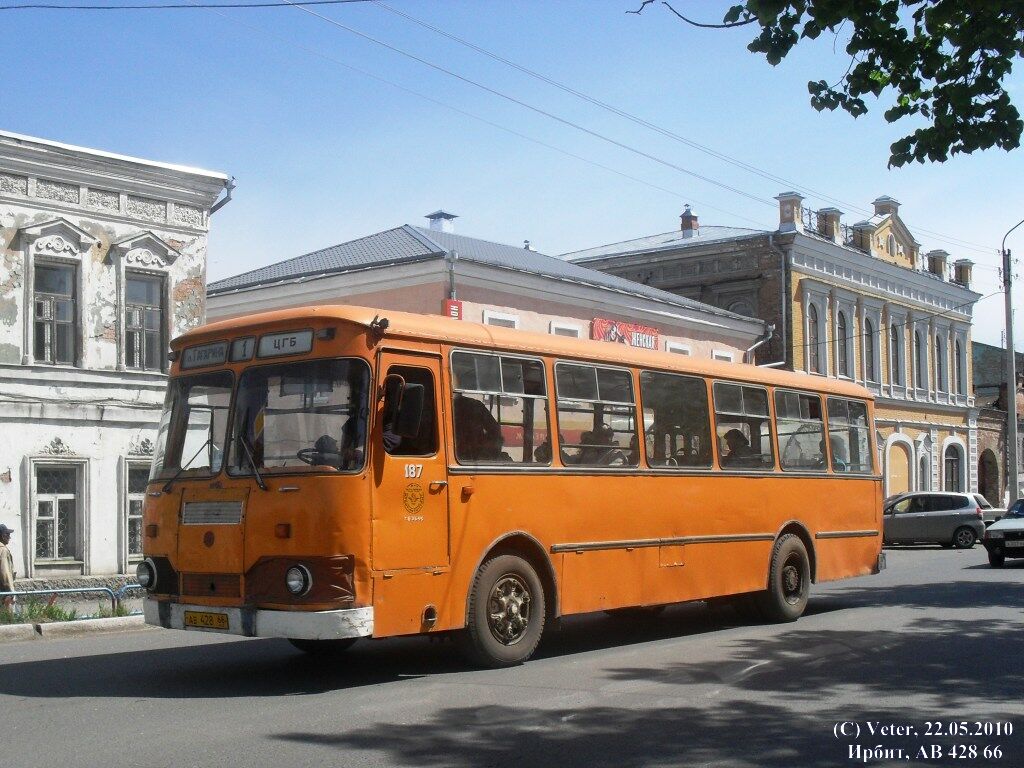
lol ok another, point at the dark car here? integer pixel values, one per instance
(949, 519)
(1006, 537)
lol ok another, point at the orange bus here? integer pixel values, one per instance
(329, 473)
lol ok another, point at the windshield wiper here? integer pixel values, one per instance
(248, 454)
(167, 485)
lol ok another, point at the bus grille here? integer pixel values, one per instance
(211, 585)
(212, 513)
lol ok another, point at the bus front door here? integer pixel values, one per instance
(410, 507)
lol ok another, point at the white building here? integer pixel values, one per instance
(432, 270)
(102, 261)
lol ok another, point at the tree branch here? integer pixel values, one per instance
(643, 5)
(751, 20)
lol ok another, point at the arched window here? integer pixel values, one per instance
(894, 355)
(869, 351)
(954, 469)
(924, 474)
(890, 245)
(920, 379)
(813, 339)
(842, 332)
(958, 376)
(940, 369)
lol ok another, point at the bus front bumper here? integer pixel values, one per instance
(252, 622)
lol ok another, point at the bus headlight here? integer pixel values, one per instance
(298, 580)
(145, 574)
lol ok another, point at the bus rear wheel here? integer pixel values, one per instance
(789, 581)
(506, 613)
(323, 647)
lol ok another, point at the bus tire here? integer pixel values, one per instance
(322, 647)
(506, 613)
(789, 581)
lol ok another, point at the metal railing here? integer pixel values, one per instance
(116, 597)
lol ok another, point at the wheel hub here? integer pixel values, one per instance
(509, 609)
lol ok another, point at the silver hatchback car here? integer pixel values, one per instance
(949, 519)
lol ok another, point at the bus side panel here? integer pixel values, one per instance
(401, 602)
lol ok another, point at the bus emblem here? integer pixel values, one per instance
(413, 498)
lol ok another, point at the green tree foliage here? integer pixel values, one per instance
(943, 60)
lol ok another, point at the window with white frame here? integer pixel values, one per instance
(677, 348)
(870, 368)
(138, 477)
(958, 375)
(500, 319)
(57, 513)
(940, 364)
(896, 368)
(725, 357)
(143, 322)
(54, 299)
(842, 345)
(813, 340)
(564, 329)
(920, 361)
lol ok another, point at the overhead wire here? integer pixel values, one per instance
(511, 131)
(164, 6)
(668, 133)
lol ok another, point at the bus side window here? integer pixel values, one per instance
(677, 425)
(425, 443)
(499, 410)
(596, 416)
(848, 435)
(801, 431)
(743, 427)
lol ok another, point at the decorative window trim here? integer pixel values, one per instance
(83, 469)
(965, 480)
(723, 355)
(146, 255)
(490, 314)
(900, 439)
(59, 242)
(871, 311)
(677, 348)
(125, 463)
(816, 294)
(557, 325)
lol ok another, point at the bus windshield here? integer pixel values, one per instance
(301, 417)
(195, 418)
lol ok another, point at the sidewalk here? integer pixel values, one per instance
(12, 633)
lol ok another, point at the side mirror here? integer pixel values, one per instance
(410, 411)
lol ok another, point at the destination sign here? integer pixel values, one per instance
(203, 355)
(294, 343)
(242, 349)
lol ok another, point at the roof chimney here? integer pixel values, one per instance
(688, 223)
(829, 226)
(886, 205)
(937, 263)
(962, 272)
(791, 215)
(442, 221)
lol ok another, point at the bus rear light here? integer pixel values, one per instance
(298, 580)
(283, 530)
(152, 530)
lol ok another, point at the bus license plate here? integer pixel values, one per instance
(1014, 544)
(206, 620)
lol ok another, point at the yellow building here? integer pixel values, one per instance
(858, 302)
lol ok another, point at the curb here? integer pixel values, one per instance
(21, 632)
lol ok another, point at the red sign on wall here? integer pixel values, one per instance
(632, 334)
(453, 309)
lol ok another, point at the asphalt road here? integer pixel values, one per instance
(937, 638)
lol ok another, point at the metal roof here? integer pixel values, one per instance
(664, 241)
(408, 243)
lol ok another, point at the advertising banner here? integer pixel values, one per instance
(632, 334)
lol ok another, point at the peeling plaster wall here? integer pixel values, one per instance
(107, 215)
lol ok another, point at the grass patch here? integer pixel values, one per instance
(103, 611)
(35, 611)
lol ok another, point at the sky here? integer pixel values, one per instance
(322, 152)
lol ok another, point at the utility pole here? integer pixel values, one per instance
(1011, 376)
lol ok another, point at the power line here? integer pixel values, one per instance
(525, 105)
(478, 118)
(657, 128)
(164, 7)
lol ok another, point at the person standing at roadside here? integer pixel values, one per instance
(6, 564)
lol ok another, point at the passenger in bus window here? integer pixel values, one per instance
(477, 432)
(840, 462)
(740, 453)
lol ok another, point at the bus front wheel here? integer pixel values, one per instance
(506, 613)
(789, 581)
